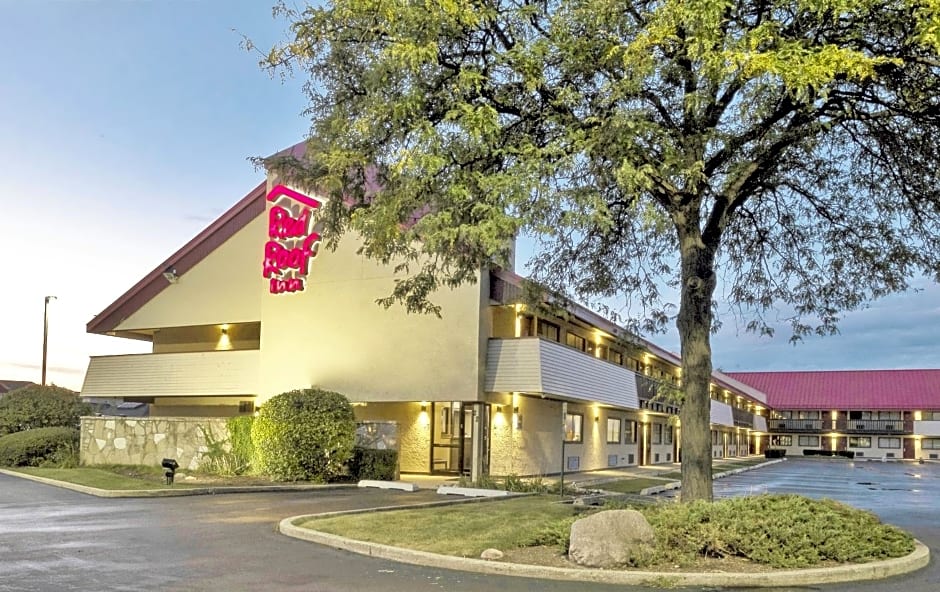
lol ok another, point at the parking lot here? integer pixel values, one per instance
(55, 540)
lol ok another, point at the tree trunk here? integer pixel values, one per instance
(694, 323)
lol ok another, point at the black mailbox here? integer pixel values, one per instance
(170, 465)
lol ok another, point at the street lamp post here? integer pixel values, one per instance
(45, 335)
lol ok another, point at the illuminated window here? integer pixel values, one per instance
(616, 357)
(930, 444)
(575, 341)
(549, 330)
(781, 440)
(808, 441)
(574, 422)
(859, 442)
(889, 442)
(613, 430)
(630, 436)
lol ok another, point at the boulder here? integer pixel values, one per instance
(609, 539)
(491, 554)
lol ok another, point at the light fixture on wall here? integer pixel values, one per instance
(424, 408)
(499, 409)
(224, 330)
(170, 274)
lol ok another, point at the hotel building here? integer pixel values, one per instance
(883, 414)
(251, 307)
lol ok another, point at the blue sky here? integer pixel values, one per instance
(126, 129)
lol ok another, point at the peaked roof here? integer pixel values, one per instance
(848, 389)
(236, 218)
(7, 386)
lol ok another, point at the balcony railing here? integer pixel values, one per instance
(798, 425)
(875, 426)
(846, 426)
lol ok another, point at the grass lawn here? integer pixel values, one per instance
(134, 477)
(464, 530)
(632, 485)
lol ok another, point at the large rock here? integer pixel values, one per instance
(609, 539)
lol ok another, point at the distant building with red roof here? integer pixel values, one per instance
(880, 413)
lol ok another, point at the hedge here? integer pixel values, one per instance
(370, 463)
(32, 448)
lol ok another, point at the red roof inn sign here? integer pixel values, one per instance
(292, 243)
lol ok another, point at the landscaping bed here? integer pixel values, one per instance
(741, 534)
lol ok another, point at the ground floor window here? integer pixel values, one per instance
(781, 440)
(631, 436)
(657, 433)
(574, 423)
(859, 442)
(930, 444)
(889, 442)
(613, 430)
(668, 434)
(808, 440)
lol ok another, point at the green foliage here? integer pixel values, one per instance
(370, 463)
(304, 435)
(40, 406)
(556, 534)
(242, 449)
(784, 531)
(230, 456)
(787, 148)
(53, 446)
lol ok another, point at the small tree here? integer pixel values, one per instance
(40, 406)
(304, 435)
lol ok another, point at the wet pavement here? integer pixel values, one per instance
(58, 540)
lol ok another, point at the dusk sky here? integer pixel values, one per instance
(125, 129)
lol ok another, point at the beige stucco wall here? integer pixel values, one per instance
(225, 287)
(147, 441)
(333, 335)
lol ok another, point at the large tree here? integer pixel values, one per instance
(788, 148)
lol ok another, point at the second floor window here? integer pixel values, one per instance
(549, 330)
(576, 341)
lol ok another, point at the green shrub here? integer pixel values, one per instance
(556, 534)
(784, 531)
(304, 435)
(239, 433)
(37, 406)
(41, 446)
(370, 463)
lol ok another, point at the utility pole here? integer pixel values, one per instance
(45, 335)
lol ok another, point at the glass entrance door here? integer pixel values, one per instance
(455, 434)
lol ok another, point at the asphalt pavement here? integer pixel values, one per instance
(53, 539)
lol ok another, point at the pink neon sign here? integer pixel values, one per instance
(291, 244)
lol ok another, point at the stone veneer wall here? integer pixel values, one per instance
(147, 441)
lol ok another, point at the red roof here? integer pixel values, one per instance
(848, 389)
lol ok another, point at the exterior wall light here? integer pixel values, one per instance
(171, 275)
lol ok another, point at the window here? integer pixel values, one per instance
(601, 352)
(657, 433)
(889, 442)
(549, 330)
(576, 341)
(715, 438)
(930, 444)
(631, 436)
(781, 440)
(616, 357)
(930, 415)
(808, 441)
(574, 422)
(859, 442)
(634, 365)
(613, 430)
(855, 415)
(246, 406)
(808, 415)
(668, 435)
